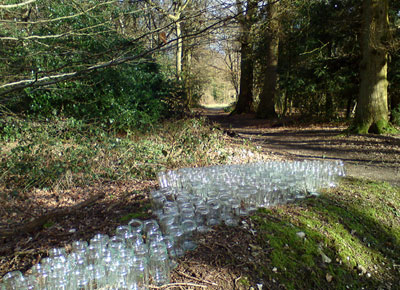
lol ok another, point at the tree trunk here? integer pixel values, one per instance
(179, 51)
(329, 109)
(188, 78)
(245, 98)
(372, 108)
(246, 20)
(266, 108)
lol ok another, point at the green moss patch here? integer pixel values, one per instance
(348, 238)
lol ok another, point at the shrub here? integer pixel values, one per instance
(130, 96)
(396, 116)
(124, 96)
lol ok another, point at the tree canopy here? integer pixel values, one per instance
(113, 58)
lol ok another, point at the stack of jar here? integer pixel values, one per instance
(138, 252)
(289, 177)
(189, 200)
(222, 194)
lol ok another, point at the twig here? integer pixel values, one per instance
(196, 279)
(237, 279)
(226, 248)
(58, 18)
(26, 252)
(206, 246)
(16, 5)
(167, 286)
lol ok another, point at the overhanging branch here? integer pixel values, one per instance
(58, 18)
(9, 6)
(56, 78)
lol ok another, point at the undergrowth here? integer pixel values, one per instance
(69, 152)
(348, 238)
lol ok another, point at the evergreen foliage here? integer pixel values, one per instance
(82, 39)
(319, 58)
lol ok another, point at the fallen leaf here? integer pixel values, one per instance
(255, 247)
(325, 258)
(301, 235)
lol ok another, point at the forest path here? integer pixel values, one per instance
(372, 157)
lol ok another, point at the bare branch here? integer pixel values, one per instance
(9, 6)
(59, 18)
(173, 16)
(185, 5)
(53, 79)
(70, 33)
(154, 5)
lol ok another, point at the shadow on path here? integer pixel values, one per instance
(366, 156)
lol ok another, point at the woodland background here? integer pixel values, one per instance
(96, 97)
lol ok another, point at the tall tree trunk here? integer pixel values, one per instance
(329, 109)
(188, 77)
(245, 98)
(372, 108)
(179, 51)
(266, 108)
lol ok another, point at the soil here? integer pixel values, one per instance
(226, 258)
(374, 157)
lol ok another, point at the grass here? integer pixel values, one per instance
(140, 213)
(67, 152)
(352, 239)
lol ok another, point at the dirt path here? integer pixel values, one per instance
(366, 156)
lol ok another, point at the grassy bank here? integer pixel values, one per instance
(67, 152)
(63, 153)
(348, 238)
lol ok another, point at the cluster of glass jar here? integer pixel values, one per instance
(199, 198)
(259, 184)
(138, 252)
(189, 200)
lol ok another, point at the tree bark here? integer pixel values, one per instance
(245, 98)
(188, 77)
(179, 50)
(372, 108)
(266, 108)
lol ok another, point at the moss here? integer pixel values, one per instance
(48, 224)
(382, 127)
(359, 128)
(142, 213)
(244, 282)
(378, 127)
(356, 225)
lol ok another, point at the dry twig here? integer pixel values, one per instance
(174, 285)
(196, 279)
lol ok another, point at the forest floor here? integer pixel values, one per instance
(226, 257)
(369, 156)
